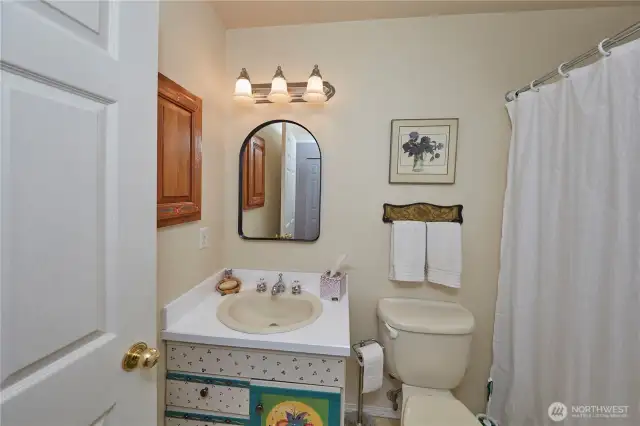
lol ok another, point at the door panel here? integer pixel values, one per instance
(86, 61)
(312, 217)
(60, 233)
(77, 211)
(85, 13)
(258, 171)
(253, 191)
(273, 403)
(288, 200)
(176, 150)
(179, 154)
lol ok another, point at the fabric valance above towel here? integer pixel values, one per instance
(422, 212)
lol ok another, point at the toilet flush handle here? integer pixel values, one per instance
(393, 333)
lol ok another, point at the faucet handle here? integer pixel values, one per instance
(296, 288)
(261, 287)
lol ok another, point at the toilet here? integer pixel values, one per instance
(427, 345)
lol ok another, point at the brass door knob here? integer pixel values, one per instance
(140, 355)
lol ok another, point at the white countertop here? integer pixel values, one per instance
(192, 319)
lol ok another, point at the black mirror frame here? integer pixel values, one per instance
(240, 174)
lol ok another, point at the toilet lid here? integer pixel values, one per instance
(425, 316)
(423, 410)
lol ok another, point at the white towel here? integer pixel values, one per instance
(408, 251)
(444, 253)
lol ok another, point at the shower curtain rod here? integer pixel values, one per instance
(606, 44)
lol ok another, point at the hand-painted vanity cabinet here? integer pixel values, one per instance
(211, 385)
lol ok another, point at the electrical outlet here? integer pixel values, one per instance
(204, 238)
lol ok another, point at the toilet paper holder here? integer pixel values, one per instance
(361, 375)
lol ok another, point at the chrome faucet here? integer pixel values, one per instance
(278, 287)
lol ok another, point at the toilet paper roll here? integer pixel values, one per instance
(372, 361)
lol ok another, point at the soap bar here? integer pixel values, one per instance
(228, 286)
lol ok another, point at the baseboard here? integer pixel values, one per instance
(374, 410)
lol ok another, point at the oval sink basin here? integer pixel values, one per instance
(262, 313)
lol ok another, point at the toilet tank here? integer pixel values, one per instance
(426, 342)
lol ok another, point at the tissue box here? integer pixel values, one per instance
(333, 288)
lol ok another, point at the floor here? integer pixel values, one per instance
(387, 422)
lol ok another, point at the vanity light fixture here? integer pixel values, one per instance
(315, 89)
(243, 93)
(279, 93)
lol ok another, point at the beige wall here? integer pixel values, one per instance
(453, 66)
(264, 222)
(192, 53)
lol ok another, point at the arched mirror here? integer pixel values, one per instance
(280, 183)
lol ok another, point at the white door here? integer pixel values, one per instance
(288, 197)
(77, 211)
(312, 201)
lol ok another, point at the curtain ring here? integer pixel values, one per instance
(532, 87)
(562, 73)
(601, 48)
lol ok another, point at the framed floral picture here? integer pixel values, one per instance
(423, 151)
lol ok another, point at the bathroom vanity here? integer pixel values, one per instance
(217, 375)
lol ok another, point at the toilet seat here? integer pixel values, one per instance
(433, 410)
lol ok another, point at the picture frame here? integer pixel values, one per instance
(423, 151)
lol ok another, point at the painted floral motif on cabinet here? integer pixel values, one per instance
(302, 412)
(326, 371)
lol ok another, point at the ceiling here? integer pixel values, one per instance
(267, 13)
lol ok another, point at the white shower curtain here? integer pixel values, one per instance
(567, 325)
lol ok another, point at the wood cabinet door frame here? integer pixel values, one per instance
(173, 210)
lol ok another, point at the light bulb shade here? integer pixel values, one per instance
(279, 93)
(243, 93)
(315, 90)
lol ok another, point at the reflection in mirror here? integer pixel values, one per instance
(280, 180)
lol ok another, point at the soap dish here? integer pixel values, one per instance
(228, 284)
(333, 287)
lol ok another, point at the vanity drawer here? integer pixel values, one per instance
(257, 364)
(182, 418)
(207, 393)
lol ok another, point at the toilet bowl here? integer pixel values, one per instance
(427, 346)
(433, 407)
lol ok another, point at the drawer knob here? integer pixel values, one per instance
(204, 392)
(259, 409)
